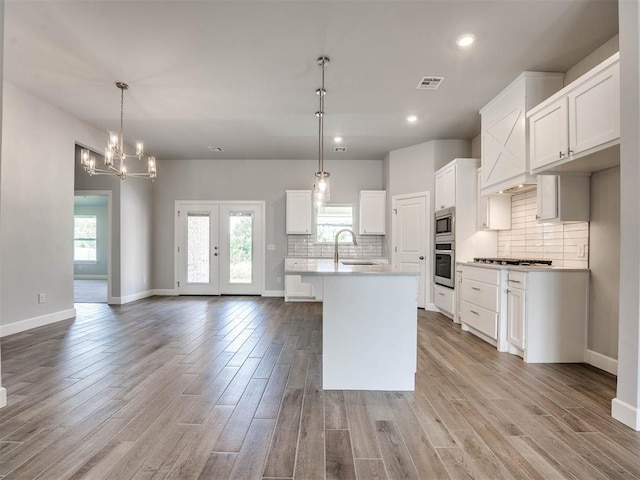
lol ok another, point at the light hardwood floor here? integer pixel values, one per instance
(230, 387)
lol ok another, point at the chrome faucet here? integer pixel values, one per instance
(335, 249)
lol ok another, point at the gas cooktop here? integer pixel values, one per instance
(512, 261)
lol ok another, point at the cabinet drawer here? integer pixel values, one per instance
(479, 318)
(487, 275)
(444, 299)
(517, 279)
(479, 293)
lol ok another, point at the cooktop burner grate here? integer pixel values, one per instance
(512, 261)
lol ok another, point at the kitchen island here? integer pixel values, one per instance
(369, 323)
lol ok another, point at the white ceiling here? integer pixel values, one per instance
(242, 74)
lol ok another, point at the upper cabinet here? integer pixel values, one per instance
(494, 211)
(445, 180)
(581, 119)
(299, 211)
(563, 198)
(373, 205)
(505, 163)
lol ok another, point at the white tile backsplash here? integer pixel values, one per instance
(305, 246)
(528, 239)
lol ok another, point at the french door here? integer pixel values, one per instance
(220, 248)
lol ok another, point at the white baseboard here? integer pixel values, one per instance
(625, 413)
(130, 298)
(166, 292)
(431, 307)
(602, 362)
(273, 293)
(3, 397)
(89, 277)
(29, 323)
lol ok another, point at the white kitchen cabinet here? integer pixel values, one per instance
(547, 315)
(445, 180)
(516, 311)
(298, 212)
(372, 218)
(445, 300)
(563, 198)
(481, 304)
(504, 134)
(579, 120)
(494, 211)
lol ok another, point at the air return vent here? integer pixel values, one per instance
(430, 83)
(340, 149)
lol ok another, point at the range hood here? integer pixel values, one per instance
(523, 187)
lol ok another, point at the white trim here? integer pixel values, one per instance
(3, 397)
(608, 364)
(431, 307)
(625, 413)
(273, 293)
(35, 322)
(166, 292)
(90, 277)
(130, 298)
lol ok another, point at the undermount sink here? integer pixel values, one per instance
(357, 262)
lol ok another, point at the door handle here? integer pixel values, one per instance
(421, 257)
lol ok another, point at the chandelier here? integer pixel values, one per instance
(321, 187)
(115, 151)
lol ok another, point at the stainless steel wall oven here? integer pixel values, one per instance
(445, 264)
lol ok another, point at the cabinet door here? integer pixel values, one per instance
(594, 111)
(298, 212)
(516, 315)
(547, 197)
(549, 134)
(445, 195)
(483, 206)
(372, 212)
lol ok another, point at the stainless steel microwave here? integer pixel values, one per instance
(445, 224)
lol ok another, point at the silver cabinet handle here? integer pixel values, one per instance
(475, 288)
(515, 281)
(561, 154)
(441, 294)
(570, 152)
(474, 312)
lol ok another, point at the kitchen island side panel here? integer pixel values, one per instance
(369, 332)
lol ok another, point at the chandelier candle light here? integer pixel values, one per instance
(321, 187)
(115, 150)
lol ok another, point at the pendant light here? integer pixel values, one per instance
(321, 188)
(115, 151)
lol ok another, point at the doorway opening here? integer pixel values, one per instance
(91, 246)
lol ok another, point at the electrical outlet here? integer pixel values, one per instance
(581, 250)
(42, 298)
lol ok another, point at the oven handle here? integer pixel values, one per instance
(444, 251)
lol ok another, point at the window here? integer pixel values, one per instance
(330, 219)
(85, 228)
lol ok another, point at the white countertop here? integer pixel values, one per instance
(325, 266)
(523, 268)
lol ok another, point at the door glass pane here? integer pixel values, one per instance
(198, 247)
(241, 247)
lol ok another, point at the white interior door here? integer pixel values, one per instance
(410, 238)
(241, 248)
(197, 249)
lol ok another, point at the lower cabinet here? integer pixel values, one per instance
(445, 300)
(539, 314)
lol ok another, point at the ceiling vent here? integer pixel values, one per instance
(340, 149)
(430, 83)
(216, 149)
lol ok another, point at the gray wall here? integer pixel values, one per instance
(102, 241)
(264, 180)
(604, 260)
(36, 188)
(594, 58)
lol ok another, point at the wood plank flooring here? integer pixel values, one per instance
(231, 388)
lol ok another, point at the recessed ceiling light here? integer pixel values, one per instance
(465, 40)
(412, 118)
(216, 149)
(337, 139)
